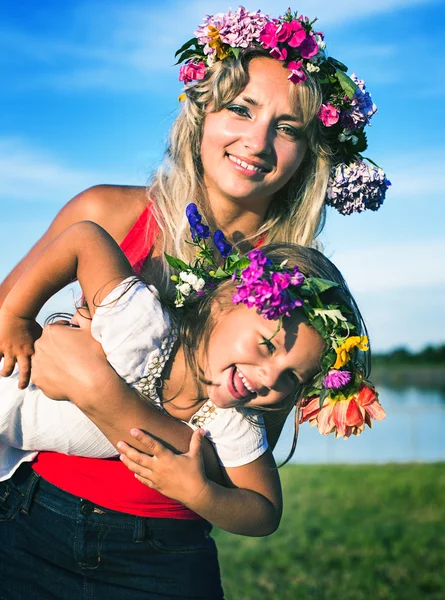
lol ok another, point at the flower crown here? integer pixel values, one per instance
(339, 399)
(355, 185)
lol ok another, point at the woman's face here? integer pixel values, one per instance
(251, 148)
(248, 368)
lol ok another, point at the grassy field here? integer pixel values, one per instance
(348, 533)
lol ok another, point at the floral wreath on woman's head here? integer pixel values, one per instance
(339, 400)
(347, 108)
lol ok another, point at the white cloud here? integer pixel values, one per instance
(32, 174)
(140, 40)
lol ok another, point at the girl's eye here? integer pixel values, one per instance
(270, 347)
(240, 110)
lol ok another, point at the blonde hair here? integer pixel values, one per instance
(297, 212)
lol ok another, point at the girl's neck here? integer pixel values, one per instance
(181, 394)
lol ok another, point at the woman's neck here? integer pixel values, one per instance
(237, 220)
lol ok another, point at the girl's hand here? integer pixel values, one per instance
(17, 337)
(178, 476)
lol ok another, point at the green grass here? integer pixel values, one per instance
(348, 533)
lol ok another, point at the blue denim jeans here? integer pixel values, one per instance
(56, 546)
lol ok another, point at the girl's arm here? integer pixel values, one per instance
(85, 251)
(249, 504)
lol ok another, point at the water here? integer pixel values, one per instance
(413, 431)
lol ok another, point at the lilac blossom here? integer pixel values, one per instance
(239, 29)
(362, 107)
(356, 187)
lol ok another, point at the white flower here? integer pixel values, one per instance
(312, 68)
(184, 288)
(200, 283)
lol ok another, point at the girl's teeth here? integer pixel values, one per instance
(246, 383)
(245, 165)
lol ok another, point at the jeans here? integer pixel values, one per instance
(56, 546)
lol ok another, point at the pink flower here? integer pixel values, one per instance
(328, 115)
(298, 34)
(268, 37)
(279, 54)
(309, 47)
(192, 72)
(297, 73)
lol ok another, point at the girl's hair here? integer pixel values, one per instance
(197, 323)
(297, 213)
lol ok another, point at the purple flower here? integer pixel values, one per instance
(198, 230)
(220, 242)
(278, 53)
(297, 278)
(356, 187)
(361, 109)
(309, 47)
(336, 379)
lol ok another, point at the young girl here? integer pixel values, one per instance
(241, 359)
(254, 145)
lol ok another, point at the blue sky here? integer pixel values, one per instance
(89, 92)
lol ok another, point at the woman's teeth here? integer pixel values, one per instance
(246, 383)
(245, 165)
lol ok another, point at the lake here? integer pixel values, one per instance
(413, 431)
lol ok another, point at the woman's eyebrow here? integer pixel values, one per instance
(253, 102)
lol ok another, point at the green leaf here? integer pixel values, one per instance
(188, 54)
(240, 264)
(220, 273)
(337, 64)
(176, 263)
(235, 52)
(186, 46)
(319, 285)
(348, 86)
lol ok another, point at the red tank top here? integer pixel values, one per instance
(108, 482)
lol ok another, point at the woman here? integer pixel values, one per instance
(253, 147)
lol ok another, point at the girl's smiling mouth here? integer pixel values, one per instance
(238, 385)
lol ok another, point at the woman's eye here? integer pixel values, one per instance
(290, 131)
(240, 110)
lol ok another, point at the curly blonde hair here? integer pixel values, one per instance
(297, 212)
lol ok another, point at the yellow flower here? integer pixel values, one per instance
(182, 97)
(216, 43)
(344, 351)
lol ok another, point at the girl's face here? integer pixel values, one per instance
(252, 148)
(248, 370)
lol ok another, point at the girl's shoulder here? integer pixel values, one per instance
(114, 207)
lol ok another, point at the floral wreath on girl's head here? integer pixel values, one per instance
(339, 400)
(347, 108)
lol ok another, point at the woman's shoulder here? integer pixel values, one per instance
(115, 207)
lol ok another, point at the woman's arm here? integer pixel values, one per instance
(115, 208)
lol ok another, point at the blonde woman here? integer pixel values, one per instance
(254, 146)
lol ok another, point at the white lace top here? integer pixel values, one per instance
(137, 337)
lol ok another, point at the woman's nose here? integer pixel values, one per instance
(258, 138)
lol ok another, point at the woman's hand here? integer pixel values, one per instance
(178, 476)
(17, 337)
(65, 357)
